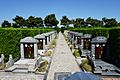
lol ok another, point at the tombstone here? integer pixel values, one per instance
(29, 61)
(47, 38)
(78, 38)
(28, 47)
(71, 36)
(52, 35)
(98, 46)
(40, 44)
(86, 41)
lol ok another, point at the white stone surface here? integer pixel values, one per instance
(35, 50)
(22, 50)
(19, 76)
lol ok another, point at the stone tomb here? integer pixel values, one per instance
(47, 40)
(40, 44)
(52, 35)
(28, 48)
(78, 39)
(29, 60)
(70, 36)
(86, 41)
(98, 46)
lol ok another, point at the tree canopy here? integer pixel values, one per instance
(6, 24)
(51, 20)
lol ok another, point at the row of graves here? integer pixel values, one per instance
(93, 48)
(32, 53)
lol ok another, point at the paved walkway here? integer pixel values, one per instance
(20, 76)
(63, 60)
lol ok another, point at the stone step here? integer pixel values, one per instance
(10, 69)
(21, 70)
(21, 66)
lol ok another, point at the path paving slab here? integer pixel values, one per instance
(62, 60)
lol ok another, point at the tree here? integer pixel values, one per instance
(6, 24)
(50, 20)
(30, 22)
(109, 22)
(94, 22)
(38, 22)
(19, 21)
(65, 21)
(79, 22)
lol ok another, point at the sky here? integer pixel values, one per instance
(71, 8)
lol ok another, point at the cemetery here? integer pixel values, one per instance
(92, 49)
(60, 40)
(38, 55)
(32, 54)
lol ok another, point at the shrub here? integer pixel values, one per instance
(76, 53)
(43, 66)
(114, 47)
(48, 53)
(85, 65)
(94, 31)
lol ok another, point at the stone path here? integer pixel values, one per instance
(62, 60)
(20, 76)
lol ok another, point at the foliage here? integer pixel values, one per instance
(114, 47)
(10, 39)
(31, 22)
(57, 29)
(50, 20)
(76, 53)
(65, 21)
(48, 53)
(94, 22)
(6, 24)
(79, 22)
(110, 22)
(52, 45)
(43, 66)
(94, 31)
(85, 65)
(19, 21)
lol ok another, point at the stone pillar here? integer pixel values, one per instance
(43, 44)
(82, 43)
(2, 58)
(35, 50)
(93, 51)
(22, 50)
(47, 40)
(51, 37)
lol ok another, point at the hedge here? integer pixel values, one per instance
(10, 39)
(114, 46)
(94, 31)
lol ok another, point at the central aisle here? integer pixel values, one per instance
(62, 60)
